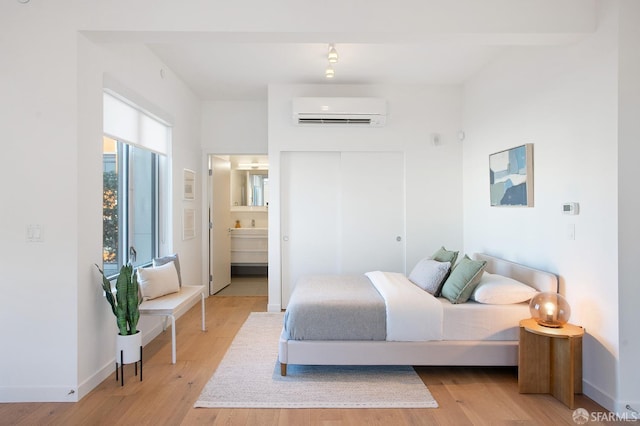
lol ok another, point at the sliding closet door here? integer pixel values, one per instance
(372, 212)
(342, 213)
(310, 194)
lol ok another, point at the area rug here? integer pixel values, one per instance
(249, 377)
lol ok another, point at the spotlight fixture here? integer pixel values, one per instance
(329, 72)
(332, 56)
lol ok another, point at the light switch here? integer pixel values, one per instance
(34, 234)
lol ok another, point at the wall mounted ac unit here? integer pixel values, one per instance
(340, 111)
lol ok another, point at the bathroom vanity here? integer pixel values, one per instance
(249, 249)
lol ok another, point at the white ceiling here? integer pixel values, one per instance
(242, 71)
(234, 50)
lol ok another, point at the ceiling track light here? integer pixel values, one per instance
(332, 56)
(329, 72)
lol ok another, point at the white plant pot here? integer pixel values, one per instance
(130, 344)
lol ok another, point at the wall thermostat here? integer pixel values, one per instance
(570, 208)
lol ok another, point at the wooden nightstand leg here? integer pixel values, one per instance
(562, 371)
(534, 367)
(566, 369)
(577, 375)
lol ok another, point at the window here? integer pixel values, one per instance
(133, 172)
(130, 205)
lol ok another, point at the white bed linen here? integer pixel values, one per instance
(412, 313)
(477, 321)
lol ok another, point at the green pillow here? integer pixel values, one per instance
(444, 255)
(463, 280)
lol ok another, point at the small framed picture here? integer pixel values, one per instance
(189, 184)
(188, 223)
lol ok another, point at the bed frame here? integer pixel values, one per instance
(442, 352)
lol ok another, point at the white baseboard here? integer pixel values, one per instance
(110, 369)
(602, 398)
(274, 307)
(97, 378)
(618, 410)
(39, 394)
(57, 394)
(628, 410)
(71, 394)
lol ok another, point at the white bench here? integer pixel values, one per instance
(168, 305)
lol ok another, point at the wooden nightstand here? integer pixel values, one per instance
(550, 360)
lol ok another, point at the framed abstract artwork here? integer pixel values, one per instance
(511, 177)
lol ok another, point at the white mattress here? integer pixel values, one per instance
(477, 321)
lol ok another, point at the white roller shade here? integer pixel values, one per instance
(128, 124)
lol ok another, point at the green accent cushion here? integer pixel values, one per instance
(444, 255)
(463, 280)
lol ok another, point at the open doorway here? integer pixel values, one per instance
(238, 225)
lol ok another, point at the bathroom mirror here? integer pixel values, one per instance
(249, 181)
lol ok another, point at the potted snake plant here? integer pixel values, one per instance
(124, 305)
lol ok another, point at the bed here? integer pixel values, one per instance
(459, 334)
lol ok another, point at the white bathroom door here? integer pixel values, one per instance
(219, 223)
(310, 228)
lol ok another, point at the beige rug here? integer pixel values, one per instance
(249, 377)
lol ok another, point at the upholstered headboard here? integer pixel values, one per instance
(540, 280)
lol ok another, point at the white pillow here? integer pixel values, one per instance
(497, 289)
(428, 274)
(159, 261)
(158, 281)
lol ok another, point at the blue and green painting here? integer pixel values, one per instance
(508, 177)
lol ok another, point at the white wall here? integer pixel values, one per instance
(234, 127)
(135, 72)
(231, 127)
(628, 203)
(50, 112)
(432, 173)
(38, 171)
(564, 101)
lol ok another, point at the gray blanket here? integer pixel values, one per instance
(335, 307)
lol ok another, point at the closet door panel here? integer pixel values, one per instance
(310, 193)
(372, 212)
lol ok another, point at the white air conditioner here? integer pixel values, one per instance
(337, 111)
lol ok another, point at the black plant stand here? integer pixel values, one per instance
(122, 367)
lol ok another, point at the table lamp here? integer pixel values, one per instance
(550, 309)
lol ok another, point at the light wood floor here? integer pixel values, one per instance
(467, 396)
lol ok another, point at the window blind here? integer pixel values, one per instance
(126, 123)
